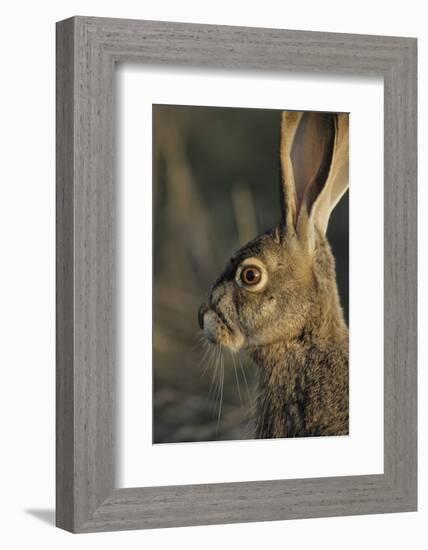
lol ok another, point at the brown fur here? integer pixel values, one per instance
(304, 379)
(292, 324)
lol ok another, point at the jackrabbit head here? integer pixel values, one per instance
(271, 286)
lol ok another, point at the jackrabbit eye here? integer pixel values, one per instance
(251, 275)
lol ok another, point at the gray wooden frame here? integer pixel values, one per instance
(87, 50)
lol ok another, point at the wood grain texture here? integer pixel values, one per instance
(64, 278)
(87, 50)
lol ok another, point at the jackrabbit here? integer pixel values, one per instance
(278, 298)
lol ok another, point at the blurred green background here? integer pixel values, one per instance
(216, 174)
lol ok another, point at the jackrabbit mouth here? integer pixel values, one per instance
(217, 329)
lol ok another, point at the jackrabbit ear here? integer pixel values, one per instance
(314, 169)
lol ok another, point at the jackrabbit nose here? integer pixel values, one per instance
(202, 310)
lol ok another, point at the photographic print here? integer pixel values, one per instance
(250, 274)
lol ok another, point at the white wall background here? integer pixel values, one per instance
(27, 272)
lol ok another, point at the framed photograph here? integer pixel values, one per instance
(264, 299)
(236, 274)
